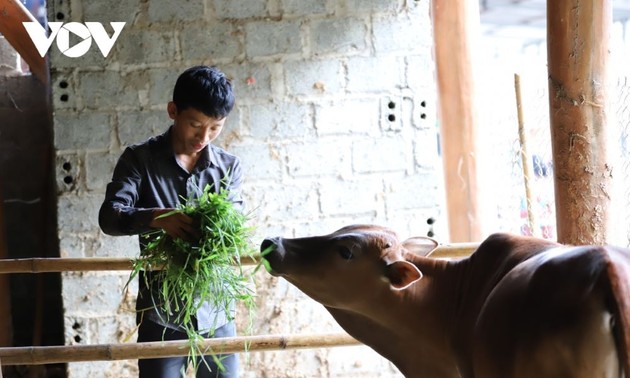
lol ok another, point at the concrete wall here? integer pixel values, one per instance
(335, 124)
(10, 62)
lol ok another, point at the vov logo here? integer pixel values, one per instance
(86, 32)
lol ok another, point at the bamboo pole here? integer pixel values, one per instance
(454, 251)
(159, 349)
(455, 25)
(578, 48)
(525, 160)
(12, 15)
(77, 264)
(61, 264)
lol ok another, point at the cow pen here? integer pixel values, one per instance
(583, 189)
(129, 351)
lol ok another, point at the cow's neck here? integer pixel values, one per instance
(417, 331)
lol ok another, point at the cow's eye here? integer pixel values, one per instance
(345, 252)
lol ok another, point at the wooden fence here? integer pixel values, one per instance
(129, 351)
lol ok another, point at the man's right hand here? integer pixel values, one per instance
(177, 225)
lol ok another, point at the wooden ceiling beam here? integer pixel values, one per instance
(12, 15)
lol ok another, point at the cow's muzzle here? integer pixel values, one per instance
(272, 251)
(268, 245)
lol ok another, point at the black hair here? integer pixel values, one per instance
(205, 89)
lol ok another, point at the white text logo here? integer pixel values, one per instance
(61, 31)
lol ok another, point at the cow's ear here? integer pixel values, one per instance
(420, 245)
(402, 273)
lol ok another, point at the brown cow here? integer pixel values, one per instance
(517, 307)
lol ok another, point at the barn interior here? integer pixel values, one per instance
(394, 112)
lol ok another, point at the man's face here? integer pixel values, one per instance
(193, 130)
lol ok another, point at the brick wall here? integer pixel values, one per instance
(335, 124)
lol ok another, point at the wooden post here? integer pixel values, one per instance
(454, 31)
(577, 53)
(6, 327)
(12, 14)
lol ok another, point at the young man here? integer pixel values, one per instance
(151, 178)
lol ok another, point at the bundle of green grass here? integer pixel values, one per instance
(205, 270)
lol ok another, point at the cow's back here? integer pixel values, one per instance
(478, 276)
(619, 279)
(555, 314)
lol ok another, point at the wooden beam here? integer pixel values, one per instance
(85, 264)
(12, 14)
(577, 52)
(455, 23)
(78, 264)
(158, 349)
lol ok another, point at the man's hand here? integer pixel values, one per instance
(177, 225)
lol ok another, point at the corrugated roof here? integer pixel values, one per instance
(526, 20)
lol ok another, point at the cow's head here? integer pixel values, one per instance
(348, 265)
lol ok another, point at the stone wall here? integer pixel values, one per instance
(335, 124)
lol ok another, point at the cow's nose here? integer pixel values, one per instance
(268, 245)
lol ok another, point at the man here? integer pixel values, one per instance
(151, 179)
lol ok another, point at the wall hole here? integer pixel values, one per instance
(77, 338)
(391, 105)
(391, 118)
(430, 222)
(63, 84)
(60, 16)
(76, 325)
(423, 104)
(423, 116)
(67, 179)
(67, 166)
(64, 97)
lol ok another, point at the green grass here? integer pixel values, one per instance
(205, 270)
